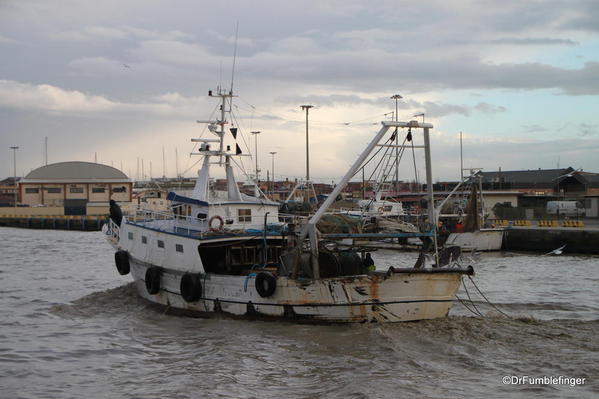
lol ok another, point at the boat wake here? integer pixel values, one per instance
(123, 299)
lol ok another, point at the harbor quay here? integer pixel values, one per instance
(546, 239)
(54, 222)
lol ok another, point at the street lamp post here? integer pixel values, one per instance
(272, 153)
(14, 157)
(307, 108)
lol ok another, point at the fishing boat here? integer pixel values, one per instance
(228, 253)
(475, 234)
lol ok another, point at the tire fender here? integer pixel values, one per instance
(121, 259)
(266, 284)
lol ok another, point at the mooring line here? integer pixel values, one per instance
(486, 299)
(466, 306)
(470, 299)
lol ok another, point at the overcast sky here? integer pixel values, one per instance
(124, 79)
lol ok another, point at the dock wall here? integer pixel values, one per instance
(54, 222)
(576, 240)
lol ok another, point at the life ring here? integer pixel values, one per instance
(153, 280)
(266, 284)
(221, 223)
(121, 259)
(381, 210)
(191, 287)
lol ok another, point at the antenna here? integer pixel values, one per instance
(46, 151)
(234, 57)
(163, 164)
(177, 161)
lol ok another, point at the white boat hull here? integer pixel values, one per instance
(366, 298)
(481, 240)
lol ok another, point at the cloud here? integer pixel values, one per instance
(586, 129)
(534, 41)
(430, 108)
(91, 33)
(174, 52)
(534, 128)
(50, 98)
(15, 95)
(7, 40)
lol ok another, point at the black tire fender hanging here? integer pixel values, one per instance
(121, 259)
(191, 287)
(266, 284)
(153, 280)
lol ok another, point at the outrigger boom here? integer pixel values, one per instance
(309, 230)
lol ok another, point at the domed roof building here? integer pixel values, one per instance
(75, 184)
(76, 171)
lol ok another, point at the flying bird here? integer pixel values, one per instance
(557, 251)
(126, 66)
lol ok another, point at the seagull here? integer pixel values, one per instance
(558, 251)
(126, 66)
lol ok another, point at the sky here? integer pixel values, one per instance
(120, 81)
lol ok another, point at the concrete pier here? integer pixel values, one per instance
(55, 222)
(546, 239)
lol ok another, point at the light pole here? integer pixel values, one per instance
(256, 133)
(272, 153)
(396, 97)
(14, 157)
(307, 108)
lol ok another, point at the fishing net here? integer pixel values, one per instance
(339, 224)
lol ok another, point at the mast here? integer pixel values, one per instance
(461, 160)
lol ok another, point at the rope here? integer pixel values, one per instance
(245, 283)
(483, 295)
(466, 306)
(470, 299)
(414, 158)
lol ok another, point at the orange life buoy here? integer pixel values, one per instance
(218, 228)
(381, 210)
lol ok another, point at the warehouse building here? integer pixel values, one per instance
(75, 185)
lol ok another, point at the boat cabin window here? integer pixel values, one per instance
(201, 215)
(179, 248)
(388, 208)
(160, 244)
(245, 215)
(144, 239)
(130, 235)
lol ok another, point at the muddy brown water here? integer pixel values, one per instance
(72, 327)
